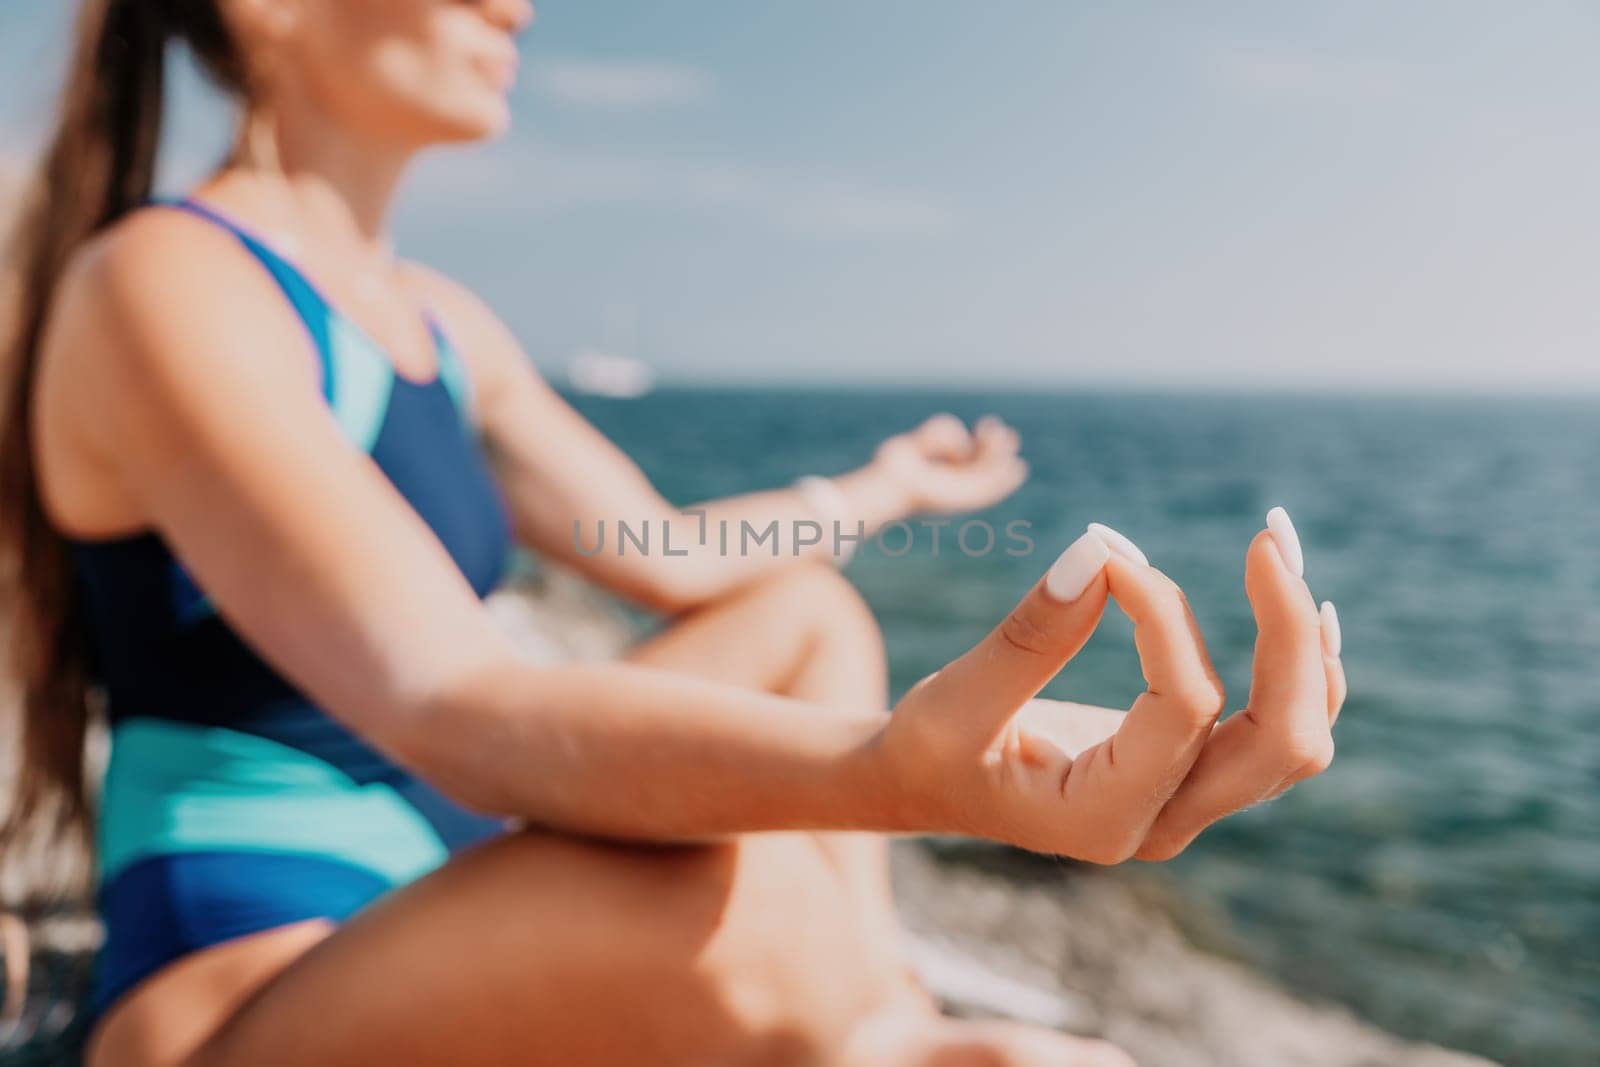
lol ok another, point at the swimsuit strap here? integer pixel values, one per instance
(323, 320)
(307, 300)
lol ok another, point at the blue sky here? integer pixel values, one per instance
(1363, 196)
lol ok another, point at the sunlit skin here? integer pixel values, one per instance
(175, 394)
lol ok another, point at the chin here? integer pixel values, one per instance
(482, 122)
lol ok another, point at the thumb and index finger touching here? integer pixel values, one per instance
(985, 686)
(1054, 620)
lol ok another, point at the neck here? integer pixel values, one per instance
(340, 186)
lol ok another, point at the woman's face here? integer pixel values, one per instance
(410, 72)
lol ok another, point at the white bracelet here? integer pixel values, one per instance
(832, 507)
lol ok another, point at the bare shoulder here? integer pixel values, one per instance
(464, 311)
(145, 251)
(494, 357)
(155, 277)
(136, 331)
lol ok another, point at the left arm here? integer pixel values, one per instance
(562, 478)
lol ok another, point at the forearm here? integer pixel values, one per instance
(675, 559)
(752, 529)
(622, 534)
(623, 751)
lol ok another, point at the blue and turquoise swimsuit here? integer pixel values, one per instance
(232, 803)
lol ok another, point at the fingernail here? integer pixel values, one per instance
(1332, 636)
(1287, 540)
(988, 423)
(1072, 572)
(1118, 543)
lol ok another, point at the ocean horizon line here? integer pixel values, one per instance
(1570, 396)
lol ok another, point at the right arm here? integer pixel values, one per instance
(223, 444)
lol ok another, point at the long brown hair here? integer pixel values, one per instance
(98, 166)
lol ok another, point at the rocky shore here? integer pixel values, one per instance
(1108, 960)
(991, 930)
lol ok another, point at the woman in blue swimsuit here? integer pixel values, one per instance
(259, 477)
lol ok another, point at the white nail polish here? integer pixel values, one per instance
(1118, 543)
(1072, 572)
(1287, 540)
(1332, 636)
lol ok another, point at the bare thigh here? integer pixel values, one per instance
(538, 949)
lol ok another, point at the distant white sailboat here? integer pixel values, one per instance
(605, 371)
(607, 374)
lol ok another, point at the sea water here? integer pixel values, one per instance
(1443, 877)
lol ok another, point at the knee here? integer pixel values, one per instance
(826, 599)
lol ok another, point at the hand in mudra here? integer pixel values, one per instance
(971, 746)
(943, 468)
